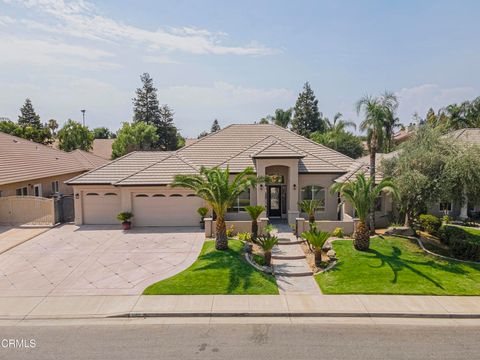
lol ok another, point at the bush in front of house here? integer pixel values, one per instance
(429, 223)
(462, 243)
(338, 232)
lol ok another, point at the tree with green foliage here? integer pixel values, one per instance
(215, 126)
(220, 191)
(202, 134)
(138, 136)
(52, 124)
(147, 109)
(282, 117)
(431, 168)
(28, 116)
(344, 142)
(265, 120)
(74, 135)
(307, 118)
(103, 133)
(361, 194)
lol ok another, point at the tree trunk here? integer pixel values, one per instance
(268, 258)
(221, 240)
(318, 256)
(254, 230)
(373, 155)
(361, 240)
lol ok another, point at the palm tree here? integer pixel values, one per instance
(339, 125)
(310, 207)
(267, 243)
(254, 211)
(283, 117)
(362, 195)
(391, 121)
(215, 187)
(316, 239)
(376, 112)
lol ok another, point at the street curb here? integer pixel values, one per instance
(299, 315)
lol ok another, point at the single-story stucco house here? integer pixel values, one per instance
(298, 168)
(31, 169)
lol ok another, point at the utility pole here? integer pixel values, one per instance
(83, 115)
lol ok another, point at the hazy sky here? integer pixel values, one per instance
(234, 60)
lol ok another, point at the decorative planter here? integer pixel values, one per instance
(126, 225)
(202, 225)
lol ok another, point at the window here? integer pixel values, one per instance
(191, 195)
(92, 194)
(110, 194)
(23, 191)
(242, 200)
(158, 195)
(314, 192)
(175, 195)
(445, 206)
(55, 187)
(276, 179)
(141, 195)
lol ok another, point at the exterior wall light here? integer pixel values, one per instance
(294, 186)
(77, 196)
(261, 186)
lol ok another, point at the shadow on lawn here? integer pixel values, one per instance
(238, 269)
(397, 264)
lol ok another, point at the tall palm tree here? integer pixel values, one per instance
(254, 211)
(339, 125)
(391, 121)
(219, 191)
(283, 117)
(362, 195)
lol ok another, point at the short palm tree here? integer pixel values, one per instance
(316, 239)
(267, 243)
(361, 195)
(310, 207)
(254, 211)
(219, 191)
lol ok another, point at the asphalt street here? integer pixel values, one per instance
(139, 340)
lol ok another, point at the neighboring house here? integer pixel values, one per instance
(29, 168)
(102, 148)
(189, 141)
(139, 182)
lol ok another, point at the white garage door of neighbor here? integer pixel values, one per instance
(101, 207)
(166, 210)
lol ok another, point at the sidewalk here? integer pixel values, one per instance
(65, 307)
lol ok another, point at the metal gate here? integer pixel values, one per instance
(31, 210)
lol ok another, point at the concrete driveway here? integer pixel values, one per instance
(97, 260)
(11, 236)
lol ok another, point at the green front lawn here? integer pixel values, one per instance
(397, 266)
(474, 234)
(217, 272)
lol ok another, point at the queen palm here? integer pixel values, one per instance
(361, 195)
(254, 211)
(377, 112)
(219, 191)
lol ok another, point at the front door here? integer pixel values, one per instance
(274, 200)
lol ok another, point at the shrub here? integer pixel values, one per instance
(338, 232)
(230, 231)
(202, 211)
(246, 237)
(446, 219)
(463, 244)
(124, 216)
(429, 223)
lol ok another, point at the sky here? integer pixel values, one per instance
(235, 61)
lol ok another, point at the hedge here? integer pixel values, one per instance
(463, 244)
(429, 223)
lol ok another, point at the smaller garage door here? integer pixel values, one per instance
(101, 207)
(166, 209)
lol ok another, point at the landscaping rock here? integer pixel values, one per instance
(327, 246)
(402, 231)
(331, 254)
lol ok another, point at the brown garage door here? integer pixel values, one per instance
(101, 207)
(166, 209)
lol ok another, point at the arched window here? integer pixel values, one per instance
(175, 195)
(141, 195)
(92, 194)
(110, 194)
(191, 195)
(158, 195)
(314, 192)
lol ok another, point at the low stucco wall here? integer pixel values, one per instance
(238, 226)
(348, 226)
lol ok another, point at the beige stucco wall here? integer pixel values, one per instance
(331, 200)
(10, 189)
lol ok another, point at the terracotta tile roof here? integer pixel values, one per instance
(236, 146)
(23, 160)
(88, 159)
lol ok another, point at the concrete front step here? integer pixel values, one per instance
(288, 242)
(300, 274)
(288, 257)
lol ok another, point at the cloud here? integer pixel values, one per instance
(159, 59)
(81, 19)
(422, 97)
(48, 52)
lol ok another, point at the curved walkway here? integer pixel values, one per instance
(292, 272)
